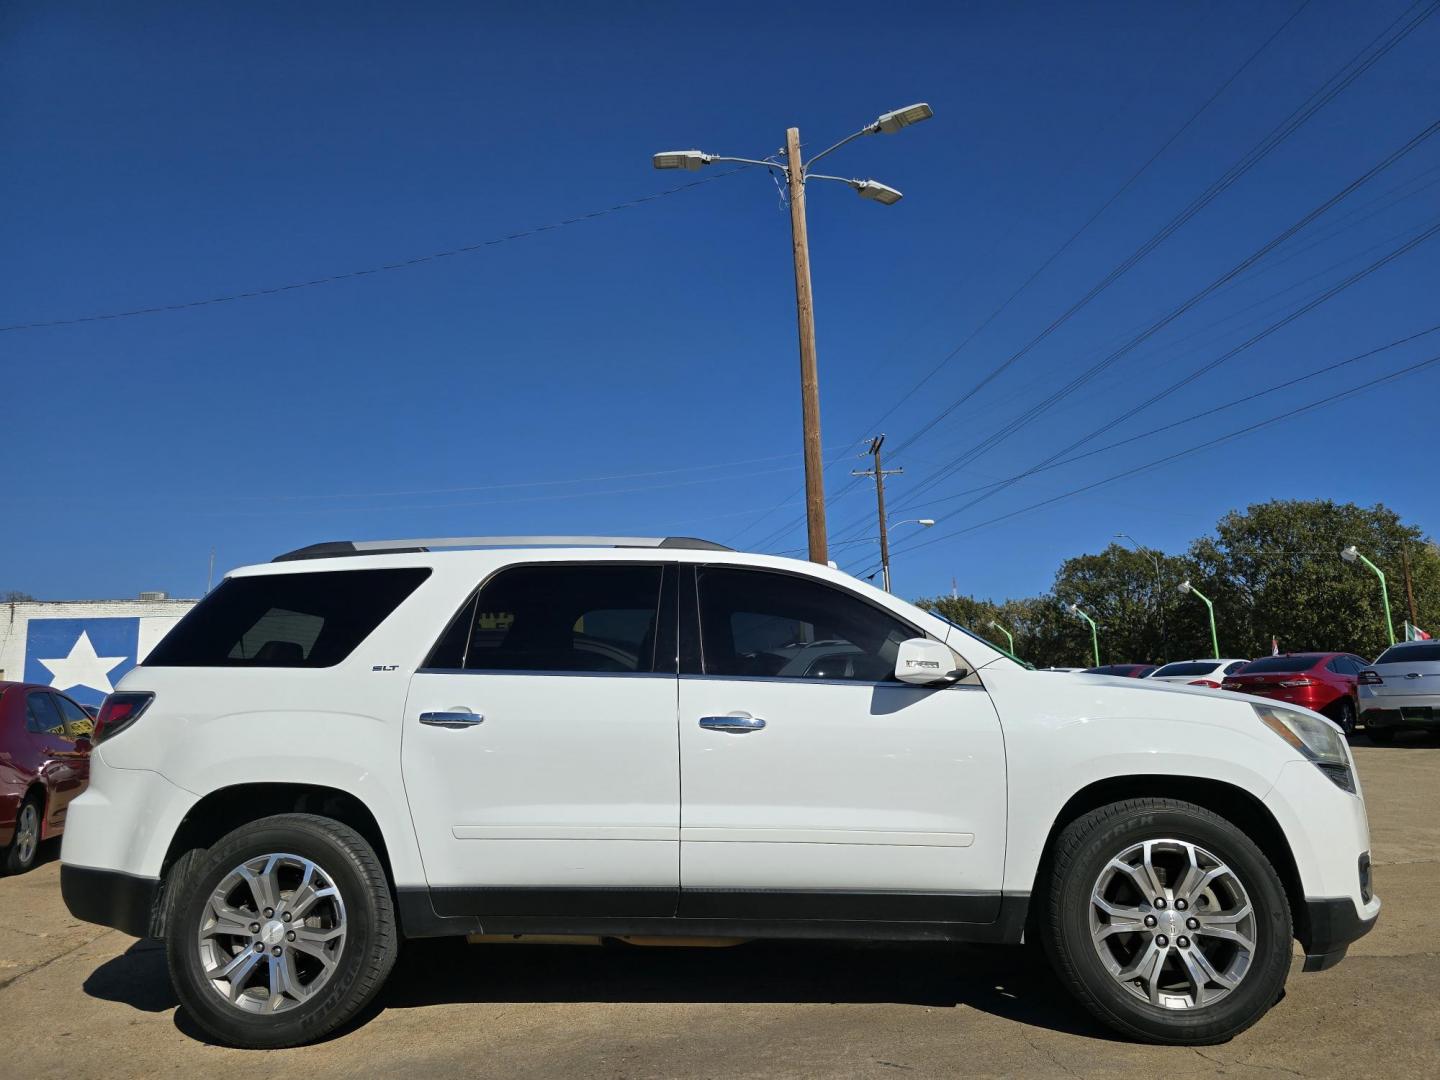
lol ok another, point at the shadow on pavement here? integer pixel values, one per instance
(1005, 982)
(137, 977)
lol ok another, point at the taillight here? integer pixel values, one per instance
(1369, 678)
(1230, 684)
(1302, 681)
(1205, 682)
(118, 712)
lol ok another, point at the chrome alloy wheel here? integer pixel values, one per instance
(1172, 924)
(271, 933)
(27, 834)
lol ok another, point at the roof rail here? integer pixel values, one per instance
(332, 549)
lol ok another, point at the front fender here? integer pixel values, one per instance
(1065, 733)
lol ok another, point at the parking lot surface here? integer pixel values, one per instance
(80, 1001)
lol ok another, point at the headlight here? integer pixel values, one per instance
(1317, 739)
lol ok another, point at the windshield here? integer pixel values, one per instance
(1413, 652)
(1279, 663)
(1187, 667)
(983, 640)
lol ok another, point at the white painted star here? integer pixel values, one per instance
(82, 667)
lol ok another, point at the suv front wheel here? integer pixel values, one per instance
(1167, 921)
(281, 932)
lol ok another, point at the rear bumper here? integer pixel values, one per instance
(1418, 717)
(111, 898)
(1329, 927)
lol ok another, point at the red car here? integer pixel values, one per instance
(44, 763)
(1324, 682)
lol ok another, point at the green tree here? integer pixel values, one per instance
(1276, 570)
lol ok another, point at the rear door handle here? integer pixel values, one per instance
(458, 718)
(739, 724)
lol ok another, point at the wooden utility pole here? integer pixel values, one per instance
(879, 474)
(1409, 588)
(809, 378)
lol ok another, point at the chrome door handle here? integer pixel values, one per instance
(454, 719)
(734, 725)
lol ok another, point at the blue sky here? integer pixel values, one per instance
(637, 373)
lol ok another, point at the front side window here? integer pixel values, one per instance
(598, 617)
(77, 720)
(305, 620)
(757, 623)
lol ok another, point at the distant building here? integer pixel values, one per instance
(82, 647)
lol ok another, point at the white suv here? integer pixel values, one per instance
(364, 742)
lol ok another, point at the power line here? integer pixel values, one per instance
(1223, 358)
(1232, 403)
(349, 275)
(1277, 418)
(1016, 424)
(1287, 127)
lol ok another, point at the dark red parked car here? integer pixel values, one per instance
(1124, 671)
(1324, 682)
(44, 763)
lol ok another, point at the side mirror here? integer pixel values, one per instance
(922, 662)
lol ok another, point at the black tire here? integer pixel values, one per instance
(1381, 736)
(367, 950)
(1345, 716)
(21, 856)
(1086, 847)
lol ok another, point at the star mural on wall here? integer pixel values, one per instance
(82, 667)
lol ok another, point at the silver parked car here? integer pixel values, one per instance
(1401, 690)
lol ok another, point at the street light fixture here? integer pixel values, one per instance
(1074, 609)
(1159, 594)
(796, 173)
(884, 539)
(1350, 554)
(1008, 635)
(1186, 587)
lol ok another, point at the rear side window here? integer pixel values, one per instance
(1278, 663)
(308, 620)
(600, 617)
(1416, 652)
(1187, 667)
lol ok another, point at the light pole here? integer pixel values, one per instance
(1074, 609)
(796, 173)
(1350, 554)
(924, 523)
(1159, 591)
(1008, 635)
(1186, 587)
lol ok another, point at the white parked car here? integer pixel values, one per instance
(1209, 673)
(359, 743)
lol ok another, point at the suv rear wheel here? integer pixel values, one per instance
(1167, 922)
(281, 932)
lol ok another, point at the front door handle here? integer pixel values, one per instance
(738, 724)
(455, 718)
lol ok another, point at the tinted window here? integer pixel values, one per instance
(1188, 667)
(76, 718)
(1415, 652)
(42, 716)
(1279, 663)
(594, 618)
(754, 623)
(307, 620)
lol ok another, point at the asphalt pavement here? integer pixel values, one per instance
(77, 1001)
